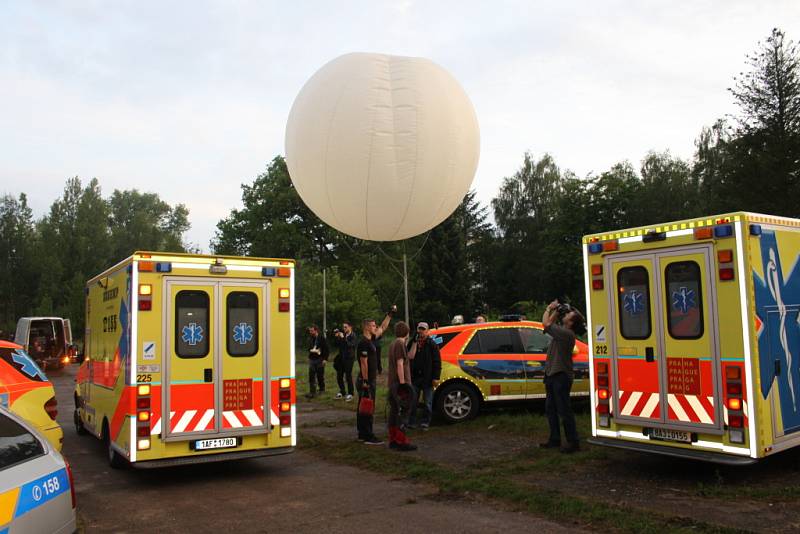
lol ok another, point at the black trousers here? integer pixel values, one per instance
(558, 406)
(344, 375)
(364, 423)
(316, 375)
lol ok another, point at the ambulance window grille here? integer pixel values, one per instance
(633, 296)
(242, 323)
(684, 300)
(191, 324)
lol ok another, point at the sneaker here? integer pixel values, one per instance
(404, 447)
(348, 398)
(373, 441)
(338, 396)
(424, 426)
(361, 439)
(549, 445)
(570, 448)
(411, 426)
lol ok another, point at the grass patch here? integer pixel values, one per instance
(493, 481)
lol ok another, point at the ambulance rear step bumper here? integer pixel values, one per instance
(705, 456)
(208, 458)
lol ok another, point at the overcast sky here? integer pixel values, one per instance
(190, 99)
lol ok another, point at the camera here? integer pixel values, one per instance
(336, 331)
(563, 309)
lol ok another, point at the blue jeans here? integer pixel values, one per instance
(427, 395)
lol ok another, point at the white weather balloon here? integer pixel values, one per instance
(382, 147)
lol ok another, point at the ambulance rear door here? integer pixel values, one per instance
(216, 358)
(665, 352)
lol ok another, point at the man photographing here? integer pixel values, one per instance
(558, 372)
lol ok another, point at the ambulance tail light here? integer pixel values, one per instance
(283, 307)
(145, 303)
(734, 403)
(285, 407)
(142, 431)
(51, 407)
(143, 403)
(143, 444)
(597, 276)
(726, 274)
(603, 401)
(143, 416)
(71, 482)
(736, 421)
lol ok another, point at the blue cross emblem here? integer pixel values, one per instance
(29, 366)
(242, 333)
(777, 298)
(684, 300)
(633, 302)
(192, 334)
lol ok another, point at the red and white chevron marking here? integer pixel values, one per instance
(639, 404)
(201, 420)
(691, 408)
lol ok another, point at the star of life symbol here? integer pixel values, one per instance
(29, 367)
(684, 300)
(192, 334)
(242, 333)
(774, 284)
(633, 302)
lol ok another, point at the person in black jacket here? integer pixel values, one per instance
(346, 340)
(318, 353)
(426, 369)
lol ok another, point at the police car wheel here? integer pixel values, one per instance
(114, 459)
(457, 402)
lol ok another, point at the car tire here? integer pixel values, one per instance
(457, 402)
(79, 428)
(115, 460)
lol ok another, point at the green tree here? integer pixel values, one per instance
(18, 270)
(142, 221)
(347, 299)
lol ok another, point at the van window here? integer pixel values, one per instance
(242, 323)
(684, 300)
(17, 445)
(191, 324)
(633, 285)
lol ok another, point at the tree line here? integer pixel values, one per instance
(529, 254)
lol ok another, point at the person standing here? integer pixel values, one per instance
(318, 353)
(345, 339)
(558, 375)
(400, 391)
(367, 377)
(426, 369)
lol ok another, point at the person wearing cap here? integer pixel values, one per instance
(426, 369)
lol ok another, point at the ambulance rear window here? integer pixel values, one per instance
(634, 302)
(191, 324)
(685, 300)
(242, 319)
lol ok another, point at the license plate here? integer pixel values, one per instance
(218, 443)
(671, 435)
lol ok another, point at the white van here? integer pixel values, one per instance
(48, 340)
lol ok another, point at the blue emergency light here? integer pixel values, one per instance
(725, 230)
(268, 271)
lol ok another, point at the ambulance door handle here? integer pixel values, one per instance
(208, 375)
(648, 354)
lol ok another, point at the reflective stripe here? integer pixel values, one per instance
(184, 421)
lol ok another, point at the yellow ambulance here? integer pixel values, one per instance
(695, 337)
(189, 358)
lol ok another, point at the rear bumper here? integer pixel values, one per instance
(705, 456)
(208, 458)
